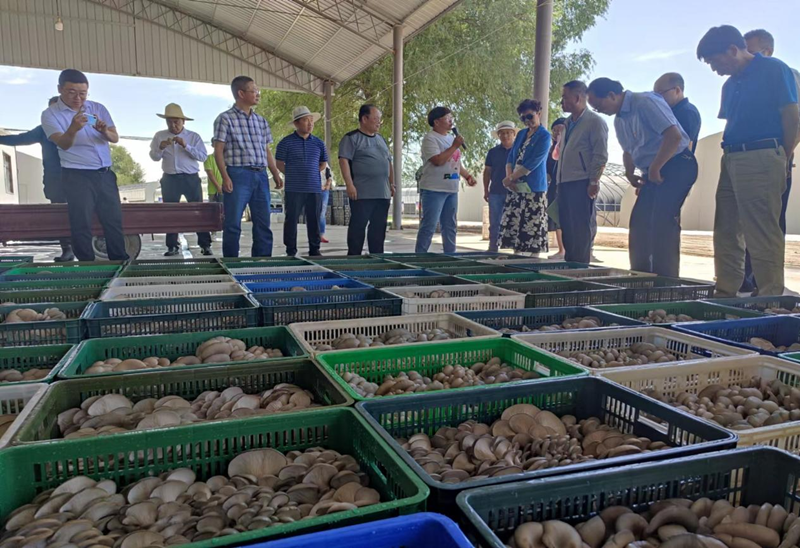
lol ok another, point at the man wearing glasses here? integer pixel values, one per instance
(82, 130)
(671, 87)
(241, 149)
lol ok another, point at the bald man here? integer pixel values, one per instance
(671, 87)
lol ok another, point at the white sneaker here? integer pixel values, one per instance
(595, 259)
(557, 256)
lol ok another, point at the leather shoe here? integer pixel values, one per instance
(206, 251)
(171, 252)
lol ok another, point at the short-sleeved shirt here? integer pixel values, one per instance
(245, 136)
(370, 162)
(50, 160)
(689, 118)
(90, 150)
(443, 178)
(752, 101)
(640, 123)
(496, 160)
(302, 158)
(211, 165)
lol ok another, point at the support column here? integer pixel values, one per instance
(397, 128)
(327, 88)
(542, 54)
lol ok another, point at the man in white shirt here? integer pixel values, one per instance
(180, 152)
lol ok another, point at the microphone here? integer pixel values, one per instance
(455, 132)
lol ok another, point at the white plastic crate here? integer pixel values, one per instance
(171, 291)
(171, 280)
(594, 273)
(462, 297)
(693, 377)
(311, 334)
(687, 347)
(18, 400)
(255, 271)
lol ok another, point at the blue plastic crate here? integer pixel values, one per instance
(779, 330)
(537, 317)
(288, 277)
(390, 273)
(286, 307)
(415, 531)
(309, 285)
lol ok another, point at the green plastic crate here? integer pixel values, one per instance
(428, 359)
(641, 289)
(700, 311)
(40, 273)
(345, 259)
(360, 266)
(77, 266)
(49, 296)
(178, 271)
(16, 259)
(172, 347)
(69, 331)
(475, 269)
(411, 281)
(62, 284)
(23, 358)
(263, 261)
(26, 471)
(509, 277)
(170, 315)
(174, 263)
(565, 293)
(433, 265)
(41, 424)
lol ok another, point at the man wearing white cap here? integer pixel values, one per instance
(494, 193)
(180, 152)
(301, 157)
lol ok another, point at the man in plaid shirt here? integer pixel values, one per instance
(241, 149)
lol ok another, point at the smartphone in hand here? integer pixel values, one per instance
(91, 119)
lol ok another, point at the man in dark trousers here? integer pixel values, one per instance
(53, 189)
(671, 87)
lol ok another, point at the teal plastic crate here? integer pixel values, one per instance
(565, 293)
(69, 331)
(762, 304)
(698, 310)
(642, 289)
(24, 358)
(49, 296)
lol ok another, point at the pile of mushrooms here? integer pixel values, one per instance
(578, 322)
(347, 341)
(671, 523)
(493, 371)
(764, 344)
(661, 316)
(524, 438)
(216, 350)
(437, 294)
(754, 404)
(22, 315)
(33, 374)
(640, 353)
(263, 488)
(113, 413)
(781, 311)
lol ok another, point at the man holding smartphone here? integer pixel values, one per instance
(82, 130)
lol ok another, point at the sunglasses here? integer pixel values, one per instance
(526, 118)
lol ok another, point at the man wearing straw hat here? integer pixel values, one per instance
(301, 157)
(494, 193)
(179, 151)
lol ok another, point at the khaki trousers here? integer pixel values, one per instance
(748, 210)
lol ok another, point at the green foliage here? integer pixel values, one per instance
(477, 59)
(128, 170)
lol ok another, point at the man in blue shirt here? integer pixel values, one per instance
(51, 164)
(82, 130)
(759, 103)
(494, 193)
(301, 157)
(654, 142)
(671, 87)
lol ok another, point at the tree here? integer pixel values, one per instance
(477, 60)
(128, 170)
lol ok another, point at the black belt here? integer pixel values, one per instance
(763, 144)
(252, 168)
(99, 170)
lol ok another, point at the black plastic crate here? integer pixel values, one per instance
(565, 293)
(68, 331)
(534, 318)
(657, 289)
(335, 304)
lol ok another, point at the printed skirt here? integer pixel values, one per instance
(524, 224)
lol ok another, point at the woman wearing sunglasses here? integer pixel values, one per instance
(524, 224)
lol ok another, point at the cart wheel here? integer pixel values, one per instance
(133, 246)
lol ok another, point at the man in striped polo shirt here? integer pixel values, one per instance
(301, 157)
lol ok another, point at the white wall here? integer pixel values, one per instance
(5, 197)
(470, 203)
(29, 175)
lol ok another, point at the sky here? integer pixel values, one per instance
(637, 41)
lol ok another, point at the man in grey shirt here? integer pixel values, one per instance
(366, 165)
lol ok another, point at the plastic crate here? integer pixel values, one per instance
(425, 260)
(171, 291)
(16, 259)
(171, 280)
(386, 268)
(173, 346)
(74, 266)
(434, 264)
(41, 423)
(27, 274)
(289, 277)
(428, 359)
(345, 259)
(18, 400)
(50, 285)
(24, 358)
(582, 397)
(779, 330)
(595, 273)
(411, 281)
(308, 285)
(161, 316)
(538, 317)
(699, 310)
(268, 270)
(26, 471)
(565, 293)
(49, 296)
(233, 262)
(686, 347)
(369, 275)
(69, 331)
(671, 380)
(642, 289)
(311, 334)
(172, 264)
(288, 307)
(462, 297)
(760, 304)
(416, 531)
(537, 265)
(742, 477)
(518, 276)
(474, 269)
(177, 272)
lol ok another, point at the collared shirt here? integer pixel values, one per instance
(245, 136)
(689, 118)
(175, 158)
(532, 155)
(50, 160)
(302, 158)
(496, 160)
(752, 101)
(90, 150)
(640, 123)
